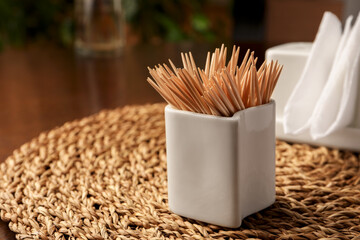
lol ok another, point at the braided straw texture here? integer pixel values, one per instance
(104, 177)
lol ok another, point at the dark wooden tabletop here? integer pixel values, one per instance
(43, 86)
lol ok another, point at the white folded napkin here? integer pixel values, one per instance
(300, 106)
(336, 106)
(343, 40)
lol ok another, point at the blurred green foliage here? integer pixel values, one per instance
(25, 20)
(22, 21)
(174, 20)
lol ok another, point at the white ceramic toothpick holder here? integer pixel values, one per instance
(221, 169)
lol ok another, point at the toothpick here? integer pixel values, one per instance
(163, 93)
(212, 65)
(261, 69)
(231, 95)
(184, 61)
(192, 89)
(219, 89)
(276, 78)
(231, 62)
(211, 105)
(220, 105)
(207, 64)
(235, 90)
(268, 84)
(174, 68)
(257, 89)
(223, 97)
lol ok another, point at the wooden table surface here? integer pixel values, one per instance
(43, 86)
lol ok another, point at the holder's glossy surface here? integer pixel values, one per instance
(221, 169)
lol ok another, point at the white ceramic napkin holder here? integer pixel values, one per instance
(221, 169)
(294, 56)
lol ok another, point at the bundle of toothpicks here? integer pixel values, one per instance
(219, 89)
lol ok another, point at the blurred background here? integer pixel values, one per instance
(61, 60)
(159, 21)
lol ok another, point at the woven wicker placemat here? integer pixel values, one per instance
(104, 177)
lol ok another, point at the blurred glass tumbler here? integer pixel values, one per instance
(99, 27)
